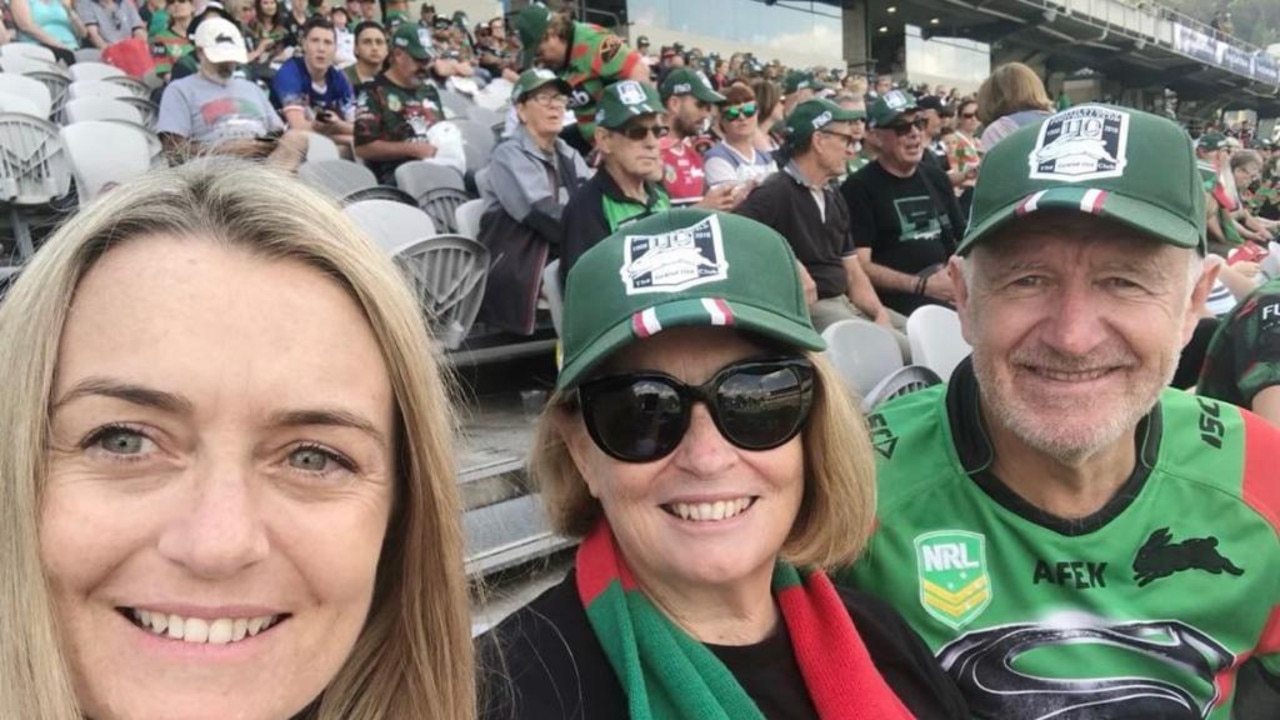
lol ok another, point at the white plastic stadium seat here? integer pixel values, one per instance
(420, 177)
(468, 217)
(936, 340)
(29, 88)
(442, 205)
(98, 108)
(448, 274)
(901, 382)
(95, 71)
(339, 178)
(88, 55)
(104, 153)
(320, 148)
(863, 352)
(27, 50)
(10, 103)
(390, 224)
(98, 88)
(33, 170)
(552, 291)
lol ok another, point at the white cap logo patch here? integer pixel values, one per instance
(1084, 143)
(822, 120)
(630, 92)
(674, 261)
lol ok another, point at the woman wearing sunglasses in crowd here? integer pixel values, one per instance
(714, 467)
(226, 477)
(628, 185)
(736, 159)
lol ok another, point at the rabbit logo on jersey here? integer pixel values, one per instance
(1154, 669)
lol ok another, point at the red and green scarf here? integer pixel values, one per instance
(669, 675)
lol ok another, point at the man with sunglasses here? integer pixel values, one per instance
(1072, 537)
(800, 203)
(628, 186)
(394, 112)
(905, 219)
(687, 97)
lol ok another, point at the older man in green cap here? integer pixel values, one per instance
(1070, 537)
(800, 203)
(394, 112)
(588, 57)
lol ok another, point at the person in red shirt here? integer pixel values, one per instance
(688, 98)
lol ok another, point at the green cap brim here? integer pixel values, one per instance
(688, 312)
(706, 94)
(561, 85)
(1146, 218)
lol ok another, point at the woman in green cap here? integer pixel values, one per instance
(714, 467)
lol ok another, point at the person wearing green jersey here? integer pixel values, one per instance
(395, 111)
(1070, 537)
(588, 57)
(1242, 366)
(628, 186)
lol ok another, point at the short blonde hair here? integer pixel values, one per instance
(836, 513)
(413, 659)
(1012, 87)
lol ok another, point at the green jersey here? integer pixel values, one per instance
(1244, 356)
(597, 59)
(1145, 609)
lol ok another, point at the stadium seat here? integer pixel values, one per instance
(98, 88)
(88, 55)
(552, 291)
(99, 108)
(390, 224)
(442, 205)
(448, 275)
(379, 192)
(338, 178)
(863, 352)
(901, 382)
(455, 103)
(491, 119)
(27, 50)
(104, 153)
(29, 88)
(468, 218)
(11, 103)
(320, 147)
(95, 71)
(420, 177)
(936, 340)
(33, 170)
(478, 142)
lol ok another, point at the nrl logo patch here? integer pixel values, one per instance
(630, 92)
(822, 120)
(674, 261)
(951, 567)
(1086, 143)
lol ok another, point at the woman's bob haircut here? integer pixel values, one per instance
(836, 513)
(413, 658)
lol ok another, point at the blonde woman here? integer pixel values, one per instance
(226, 473)
(714, 466)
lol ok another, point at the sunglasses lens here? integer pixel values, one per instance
(634, 419)
(749, 109)
(763, 406)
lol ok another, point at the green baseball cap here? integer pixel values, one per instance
(811, 116)
(687, 81)
(410, 38)
(535, 79)
(1210, 142)
(889, 107)
(801, 80)
(531, 22)
(679, 268)
(624, 100)
(1132, 167)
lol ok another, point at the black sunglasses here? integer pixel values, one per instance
(639, 132)
(904, 128)
(642, 417)
(737, 111)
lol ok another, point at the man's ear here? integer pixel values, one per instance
(1199, 295)
(955, 268)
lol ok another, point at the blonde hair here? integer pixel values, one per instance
(1012, 87)
(413, 658)
(836, 514)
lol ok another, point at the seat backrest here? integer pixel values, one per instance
(88, 55)
(145, 107)
(23, 64)
(320, 148)
(420, 178)
(98, 88)
(478, 142)
(27, 50)
(339, 178)
(552, 291)
(95, 71)
(455, 103)
(863, 352)
(33, 166)
(29, 88)
(138, 88)
(56, 82)
(391, 224)
(104, 153)
(448, 274)
(10, 103)
(901, 382)
(484, 116)
(936, 340)
(380, 192)
(468, 217)
(442, 205)
(99, 108)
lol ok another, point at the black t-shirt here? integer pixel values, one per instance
(545, 663)
(820, 243)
